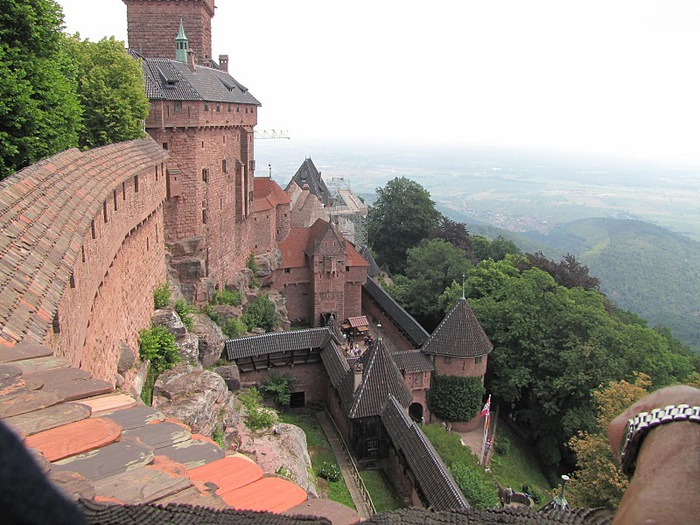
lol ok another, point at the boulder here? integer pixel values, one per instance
(231, 376)
(188, 348)
(268, 263)
(168, 317)
(194, 396)
(211, 340)
(127, 357)
(281, 450)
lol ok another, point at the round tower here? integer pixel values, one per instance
(152, 24)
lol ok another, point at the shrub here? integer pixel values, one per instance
(329, 471)
(257, 417)
(261, 313)
(476, 487)
(234, 328)
(161, 295)
(455, 398)
(502, 445)
(157, 345)
(186, 312)
(228, 297)
(213, 314)
(251, 264)
(277, 387)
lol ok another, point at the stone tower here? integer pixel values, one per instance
(153, 23)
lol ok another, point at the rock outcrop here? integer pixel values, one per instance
(211, 340)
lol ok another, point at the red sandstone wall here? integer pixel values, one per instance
(283, 222)
(263, 232)
(111, 294)
(312, 380)
(461, 367)
(153, 26)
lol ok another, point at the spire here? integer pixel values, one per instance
(181, 44)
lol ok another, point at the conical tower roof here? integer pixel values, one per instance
(459, 335)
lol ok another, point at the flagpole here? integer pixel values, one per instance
(486, 411)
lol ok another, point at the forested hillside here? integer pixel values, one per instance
(644, 268)
(556, 337)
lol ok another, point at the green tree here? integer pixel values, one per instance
(431, 267)
(111, 89)
(497, 249)
(261, 313)
(39, 109)
(401, 217)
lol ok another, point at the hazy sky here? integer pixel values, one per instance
(619, 77)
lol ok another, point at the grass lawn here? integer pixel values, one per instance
(380, 492)
(320, 452)
(519, 466)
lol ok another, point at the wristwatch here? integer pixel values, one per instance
(638, 427)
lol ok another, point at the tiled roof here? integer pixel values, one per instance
(168, 79)
(334, 362)
(367, 255)
(45, 212)
(269, 190)
(360, 320)
(431, 473)
(277, 342)
(306, 208)
(318, 231)
(293, 248)
(308, 175)
(459, 335)
(413, 361)
(353, 258)
(401, 317)
(380, 379)
(504, 516)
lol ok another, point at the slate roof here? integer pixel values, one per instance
(413, 361)
(308, 175)
(168, 79)
(334, 362)
(401, 317)
(367, 256)
(277, 342)
(431, 473)
(459, 335)
(380, 379)
(45, 212)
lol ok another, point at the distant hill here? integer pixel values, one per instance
(644, 268)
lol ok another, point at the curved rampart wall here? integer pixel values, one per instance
(82, 249)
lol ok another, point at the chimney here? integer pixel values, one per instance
(357, 370)
(223, 63)
(190, 60)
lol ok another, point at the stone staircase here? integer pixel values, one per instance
(101, 445)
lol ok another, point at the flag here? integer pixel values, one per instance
(486, 411)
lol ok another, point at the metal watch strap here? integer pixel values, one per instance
(638, 426)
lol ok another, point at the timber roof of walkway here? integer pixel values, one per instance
(278, 342)
(401, 317)
(459, 335)
(431, 473)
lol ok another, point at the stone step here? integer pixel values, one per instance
(77, 389)
(108, 403)
(29, 366)
(125, 455)
(48, 418)
(136, 417)
(268, 494)
(26, 402)
(50, 377)
(75, 438)
(229, 473)
(159, 435)
(194, 452)
(23, 351)
(143, 485)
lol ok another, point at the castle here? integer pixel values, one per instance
(88, 234)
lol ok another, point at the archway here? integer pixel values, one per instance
(416, 412)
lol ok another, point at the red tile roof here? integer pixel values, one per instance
(268, 194)
(293, 248)
(354, 258)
